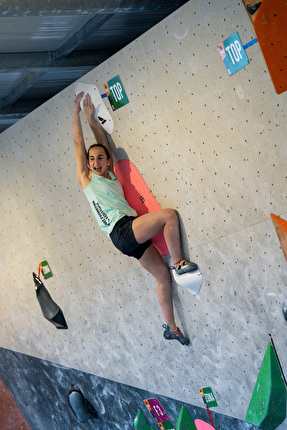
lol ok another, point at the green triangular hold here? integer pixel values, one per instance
(184, 422)
(140, 422)
(267, 408)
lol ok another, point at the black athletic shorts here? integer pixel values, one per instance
(124, 239)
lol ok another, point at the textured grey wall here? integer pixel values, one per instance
(47, 384)
(212, 147)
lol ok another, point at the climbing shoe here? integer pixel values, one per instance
(185, 266)
(169, 335)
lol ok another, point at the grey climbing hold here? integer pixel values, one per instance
(50, 310)
(284, 308)
(81, 407)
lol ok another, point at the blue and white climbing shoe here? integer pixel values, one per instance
(185, 266)
(177, 335)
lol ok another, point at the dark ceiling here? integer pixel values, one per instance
(47, 45)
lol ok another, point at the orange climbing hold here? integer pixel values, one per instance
(280, 225)
(10, 417)
(270, 27)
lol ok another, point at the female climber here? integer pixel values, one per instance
(130, 233)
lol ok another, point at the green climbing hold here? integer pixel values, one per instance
(267, 407)
(140, 422)
(184, 422)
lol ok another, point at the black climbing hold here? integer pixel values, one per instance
(252, 8)
(50, 310)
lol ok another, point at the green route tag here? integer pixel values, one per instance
(44, 266)
(208, 397)
(115, 92)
